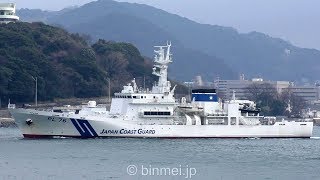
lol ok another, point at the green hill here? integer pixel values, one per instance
(65, 65)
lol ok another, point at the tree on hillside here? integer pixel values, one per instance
(264, 92)
(267, 98)
(273, 103)
(122, 62)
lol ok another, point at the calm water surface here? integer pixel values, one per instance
(221, 159)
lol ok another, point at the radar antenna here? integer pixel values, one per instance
(162, 59)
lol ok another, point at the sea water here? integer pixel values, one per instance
(134, 158)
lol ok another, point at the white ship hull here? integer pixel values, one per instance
(45, 124)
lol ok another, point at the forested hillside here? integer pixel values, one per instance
(65, 65)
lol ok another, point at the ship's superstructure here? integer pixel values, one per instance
(155, 106)
(138, 112)
(8, 13)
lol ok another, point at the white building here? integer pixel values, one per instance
(8, 13)
(226, 88)
(309, 93)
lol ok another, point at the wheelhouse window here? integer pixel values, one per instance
(157, 113)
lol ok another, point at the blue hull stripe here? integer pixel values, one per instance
(84, 123)
(86, 130)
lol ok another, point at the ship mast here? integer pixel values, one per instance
(162, 59)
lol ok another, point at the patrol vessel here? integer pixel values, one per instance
(155, 113)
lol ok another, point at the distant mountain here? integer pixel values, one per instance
(32, 15)
(122, 27)
(204, 49)
(65, 65)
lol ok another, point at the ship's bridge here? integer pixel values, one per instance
(131, 91)
(145, 97)
(8, 13)
(143, 104)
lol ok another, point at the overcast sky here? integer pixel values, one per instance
(294, 20)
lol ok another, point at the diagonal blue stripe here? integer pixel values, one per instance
(85, 129)
(74, 122)
(89, 126)
(85, 125)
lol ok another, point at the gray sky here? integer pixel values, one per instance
(293, 20)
